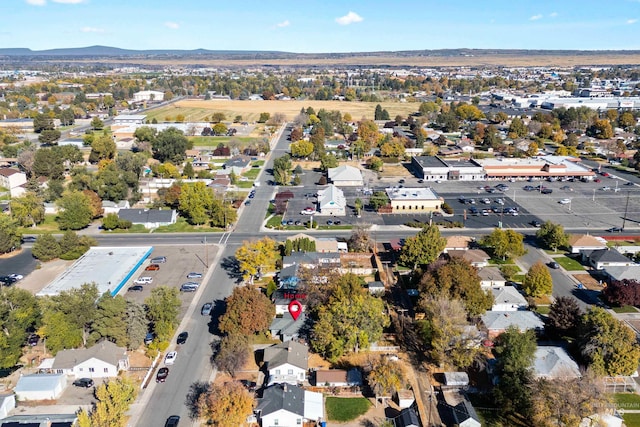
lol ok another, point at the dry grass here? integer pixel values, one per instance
(197, 110)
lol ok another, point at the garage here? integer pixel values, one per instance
(40, 386)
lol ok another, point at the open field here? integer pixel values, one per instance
(197, 110)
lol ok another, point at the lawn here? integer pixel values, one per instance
(252, 174)
(48, 226)
(558, 252)
(625, 309)
(569, 264)
(631, 420)
(182, 226)
(343, 409)
(214, 141)
(135, 228)
(543, 309)
(275, 222)
(627, 400)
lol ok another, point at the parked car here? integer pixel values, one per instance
(162, 375)
(206, 309)
(170, 358)
(33, 339)
(7, 281)
(135, 288)
(16, 277)
(172, 421)
(28, 239)
(83, 382)
(148, 339)
(329, 222)
(249, 385)
(554, 265)
(614, 230)
(629, 183)
(159, 260)
(194, 275)
(152, 267)
(143, 280)
(564, 201)
(546, 191)
(182, 337)
(189, 287)
(535, 223)
(528, 188)
(566, 188)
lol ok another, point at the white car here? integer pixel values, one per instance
(143, 280)
(170, 358)
(565, 201)
(16, 276)
(307, 212)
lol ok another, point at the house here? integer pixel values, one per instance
(490, 277)
(465, 415)
(497, 322)
(220, 184)
(149, 218)
(285, 328)
(602, 258)
(554, 362)
(112, 207)
(457, 243)
(338, 377)
(507, 298)
(40, 420)
(13, 180)
(476, 257)
(345, 176)
(237, 165)
(40, 386)
(7, 403)
(287, 362)
(456, 379)
(282, 297)
(331, 201)
(288, 277)
(630, 272)
(413, 200)
(404, 398)
(585, 242)
(312, 259)
(102, 360)
(327, 244)
(407, 418)
(286, 405)
(148, 95)
(376, 287)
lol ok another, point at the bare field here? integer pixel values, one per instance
(197, 110)
(507, 59)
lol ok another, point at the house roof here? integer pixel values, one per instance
(331, 197)
(344, 173)
(464, 411)
(621, 272)
(105, 350)
(501, 320)
(8, 171)
(38, 382)
(491, 273)
(288, 352)
(472, 255)
(554, 362)
(585, 240)
(282, 397)
(607, 255)
(507, 295)
(407, 418)
(458, 242)
(329, 376)
(143, 216)
(238, 162)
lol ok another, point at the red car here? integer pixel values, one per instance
(152, 267)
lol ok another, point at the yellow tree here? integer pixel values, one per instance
(226, 405)
(257, 256)
(113, 401)
(386, 377)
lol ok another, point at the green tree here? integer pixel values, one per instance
(538, 281)
(225, 405)
(48, 163)
(102, 148)
(423, 248)
(110, 321)
(219, 129)
(42, 122)
(196, 200)
(328, 161)
(248, 312)
(505, 243)
(97, 124)
(110, 183)
(608, 346)
(232, 353)
(375, 163)
(75, 211)
(49, 136)
(377, 115)
(552, 235)
(188, 171)
(136, 321)
(282, 170)
(301, 148)
(264, 117)
(19, 312)
(145, 134)
(517, 128)
(564, 317)
(601, 129)
(46, 247)
(163, 308)
(9, 236)
(27, 210)
(378, 200)
(170, 145)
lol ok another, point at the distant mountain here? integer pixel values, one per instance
(107, 51)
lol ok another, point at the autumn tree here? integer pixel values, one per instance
(232, 353)
(504, 243)
(538, 281)
(623, 292)
(27, 210)
(248, 312)
(601, 129)
(113, 401)
(607, 345)
(163, 308)
(552, 235)
(360, 239)
(423, 248)
(282, 170)
(564, 317)
(94, 202)
(386, 377)
(301, 148)
(296, 134)
(257, 256)
(517, 128)
(368, 132)
(225, 405)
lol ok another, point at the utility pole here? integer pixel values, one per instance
(626, 207)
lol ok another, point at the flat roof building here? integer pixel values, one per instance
(535, 167)
(108, 267)
(413, 200)
(434, 168)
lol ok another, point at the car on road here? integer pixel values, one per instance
(83, 382)
(33, 339)
(251, 195)
(152, 267)
(500, 201)
(135, 288)
(308, 211)
(172, 421)
(566, 188)
(605, 188)
(206, 309)
(615, 230)
(182, 337)
(546, 191)
(629, 183)
(170, 358)
(597, 180)
(16, 277)
(564, 201)
(420, 181)
(28, 239)
(162, 375)
(554, 265)
(247, 203)
(535, 223)
(194, 275)
(159, 260)
(143, 280)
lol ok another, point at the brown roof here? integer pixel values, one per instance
(472, 255)
(584, 240)
(8, 171)
(331, 376)
(458, 241)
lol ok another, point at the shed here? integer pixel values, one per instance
(459, 379)
(40, 386)
(407, 418)
(405, 398)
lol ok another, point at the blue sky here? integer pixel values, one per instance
(321, 26)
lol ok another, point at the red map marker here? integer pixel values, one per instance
(295, 308)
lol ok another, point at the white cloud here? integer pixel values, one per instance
(37, 2)
(553, 14)
(92, 30)
(631, 21)
(283, 24)
(349, 18)
(535, 17)
(172, 25)
(69, 1)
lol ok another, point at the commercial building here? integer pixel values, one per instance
(413, 200)
(559, 167)
(434, 168)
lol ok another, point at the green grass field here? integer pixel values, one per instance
(182, 226)
(346, 409)
(627, 400)
(625, 309)
(631, 420)
(214, 141)
(48, 226)
(569, 264)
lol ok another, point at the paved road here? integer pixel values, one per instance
(23, 263)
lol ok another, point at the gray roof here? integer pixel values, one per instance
(463, 411)
(607, 255)
(310, 258)
(620, 272)
(40, 420)
(282, 396)
(499, 320)
(430, 161)
(143, 216)
(407, 418)
(507, 295)
(105, 351)
(290, 352)
(491, 273)
(554, 362)
(285, 326)
(38, 382)
(237, 162)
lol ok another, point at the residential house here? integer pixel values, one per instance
(404, 398)
(149, 218)
(507, 298)
(331, 201)
(40, 386)
(554, 362)
(338, 377)
(476, 257)
(102, 360)
(603, 258)
(327, 244)
(40, 420)
(413, 200)
(345, 176)
(584, 242)
(13, 180)
(237, 165)
(7, 404)
(312, 259)
(630, 272)
(288, 277)
(282, 297)
(112, 207)
(287, 362)
(456, 379)
(286, 405)
(285, 328)
(497, 322)
(220, 184)
(457, 243)
(376, 287)
(465, 415)
(490, 277)
(407, 418)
